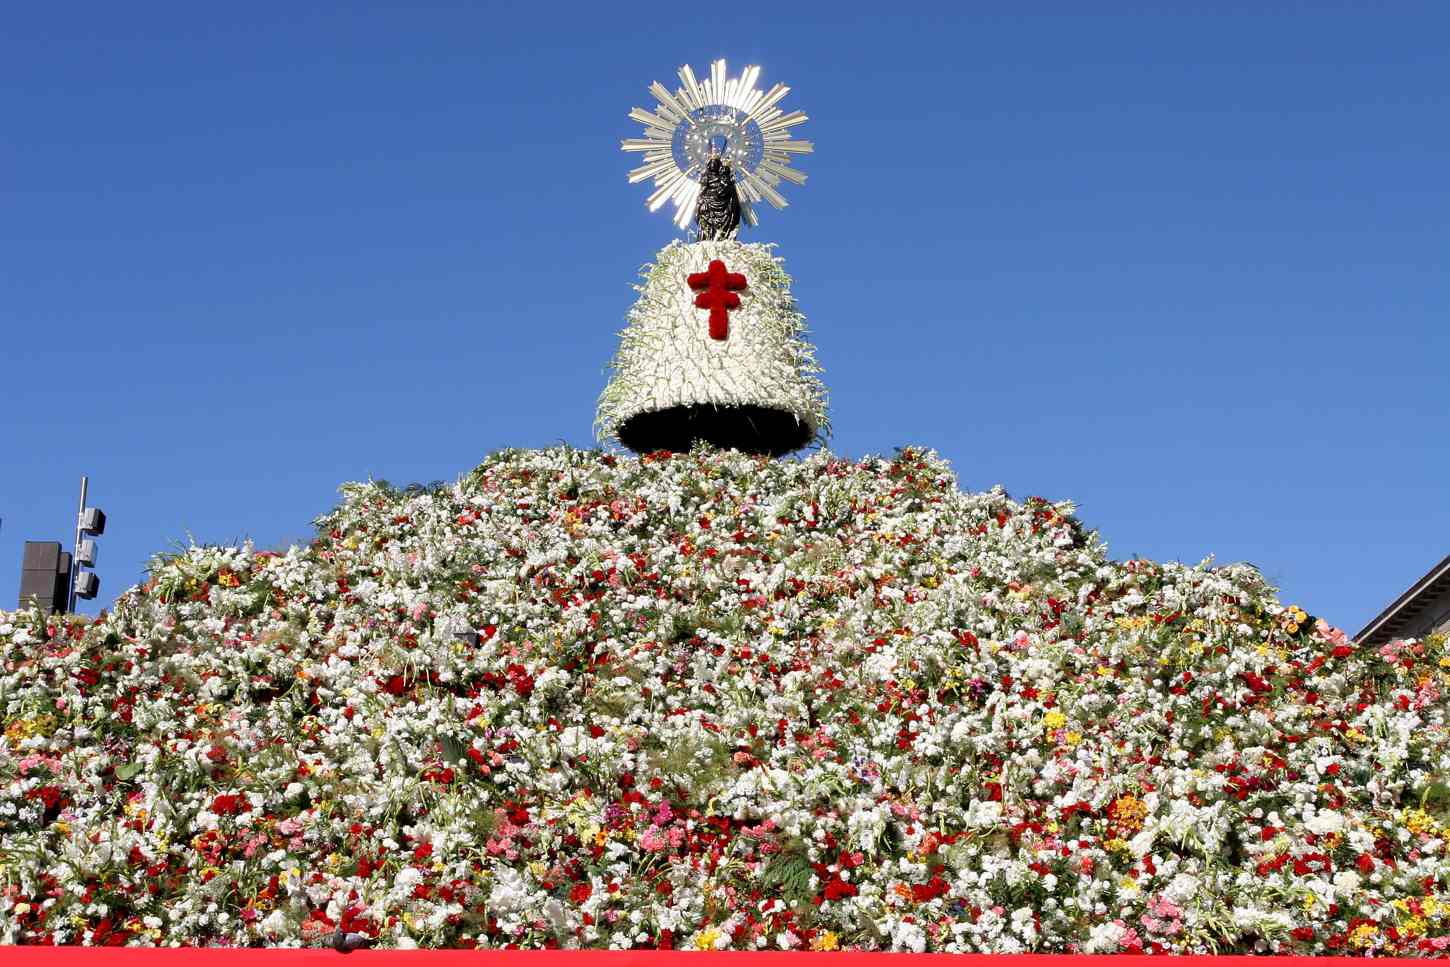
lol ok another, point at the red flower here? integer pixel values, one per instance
(839, 888)
(930, 890)
(581, 892)
(1366, 864)
(227, 804)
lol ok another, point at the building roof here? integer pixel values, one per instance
(1407, 608)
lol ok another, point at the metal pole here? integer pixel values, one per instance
(75, 550)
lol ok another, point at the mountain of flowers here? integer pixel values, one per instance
(709, 701)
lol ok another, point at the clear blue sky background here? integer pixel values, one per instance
(1184, 264)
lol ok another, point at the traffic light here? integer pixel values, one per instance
(87, 584)
(93, 521)
(90, 522)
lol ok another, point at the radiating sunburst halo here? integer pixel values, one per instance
(729, 114)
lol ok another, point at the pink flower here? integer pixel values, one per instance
(1332, 635)
(1161, 906)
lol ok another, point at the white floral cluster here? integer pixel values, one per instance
(666, 357)
(714, 701)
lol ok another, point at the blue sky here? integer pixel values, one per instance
(1182, 264)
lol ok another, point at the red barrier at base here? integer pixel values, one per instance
(300, 957)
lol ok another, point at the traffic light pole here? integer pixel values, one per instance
(75, 563)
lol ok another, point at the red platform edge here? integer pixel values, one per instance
(313, 957)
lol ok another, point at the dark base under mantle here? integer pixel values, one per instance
(750, 429)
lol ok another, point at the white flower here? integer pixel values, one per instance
(908, 936)
(1104, 938)
(1324, 821)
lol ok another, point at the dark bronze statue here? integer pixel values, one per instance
(717, 213)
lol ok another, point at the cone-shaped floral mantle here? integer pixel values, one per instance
(714, 352)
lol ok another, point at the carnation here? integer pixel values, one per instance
(577, 700)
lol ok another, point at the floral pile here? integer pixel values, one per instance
(708, 701)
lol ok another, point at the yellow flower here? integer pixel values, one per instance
(705, 939)
(1363, 935)
(62, 826)
(1073, 738)
(1054, 720)
(1419, 821)
(1129, 810)
(826, 941)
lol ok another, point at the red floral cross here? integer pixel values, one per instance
(717, 289)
